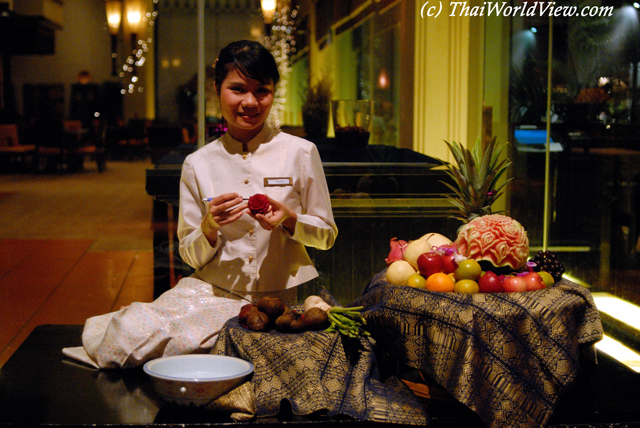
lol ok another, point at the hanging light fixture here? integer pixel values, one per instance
(268, 10)
(114, 18)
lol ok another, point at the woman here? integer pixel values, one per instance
(237, 255)
(240, 253)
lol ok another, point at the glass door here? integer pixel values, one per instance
(575, 151)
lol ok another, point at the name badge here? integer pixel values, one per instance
(278, 181)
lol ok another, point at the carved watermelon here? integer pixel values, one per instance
(495, 239)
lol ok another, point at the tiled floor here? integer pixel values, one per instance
(62, 262)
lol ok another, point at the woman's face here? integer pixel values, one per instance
(245, 104)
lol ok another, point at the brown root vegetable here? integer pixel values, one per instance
(297, 325)
(258, 321)
(283, 322)
(290, 322)
(245, 311)
(272, 306)
(316, 319)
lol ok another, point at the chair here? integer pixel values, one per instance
(12, 152)
(52, 144)
(93, 146)
(136, 142)
(99, 142)
(115, 138)
(9, 135)
(72, 126)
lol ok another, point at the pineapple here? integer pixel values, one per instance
(496, 241)
(476, 177)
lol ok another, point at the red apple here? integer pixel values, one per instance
(514, 283)
(449, 263)
(429, 263)
(490, 282)
(534, 281)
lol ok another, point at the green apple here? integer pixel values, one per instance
(416, 281)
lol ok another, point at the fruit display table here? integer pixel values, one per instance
(317, 373)
(507, 356)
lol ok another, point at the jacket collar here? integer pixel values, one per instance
(234, 146)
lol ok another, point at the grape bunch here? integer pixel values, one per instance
(548, 262)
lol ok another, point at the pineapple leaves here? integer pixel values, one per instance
(476, 174)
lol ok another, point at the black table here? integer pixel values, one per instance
(40, 387)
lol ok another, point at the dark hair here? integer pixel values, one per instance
(250, 58)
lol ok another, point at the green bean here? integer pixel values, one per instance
(355, 316)
(340, 309)
(347, 321)
(335, 321)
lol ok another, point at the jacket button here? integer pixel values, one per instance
(246, 181)
(250, 259)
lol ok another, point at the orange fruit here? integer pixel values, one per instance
(439, 282)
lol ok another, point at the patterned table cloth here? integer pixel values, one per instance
(320, 374)
(506, 356)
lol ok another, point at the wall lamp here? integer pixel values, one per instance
(130, 18)
(134, 10)
(132, 13)
(114, 18)
(268, 10)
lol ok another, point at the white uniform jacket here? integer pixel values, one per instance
(247, 258)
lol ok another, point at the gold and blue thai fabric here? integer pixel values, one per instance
(320, 374)
(507, 356)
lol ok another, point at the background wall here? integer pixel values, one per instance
(177, 49)
(83, 44)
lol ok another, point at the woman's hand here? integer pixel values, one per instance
(223, 209)
(278, 214)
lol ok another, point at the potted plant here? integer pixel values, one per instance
(315, 108)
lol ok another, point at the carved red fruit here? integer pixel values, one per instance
(495, 238)
(259, 204)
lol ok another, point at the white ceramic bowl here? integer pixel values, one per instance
(196, 380)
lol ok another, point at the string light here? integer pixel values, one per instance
(137, 57)
(281, 43)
